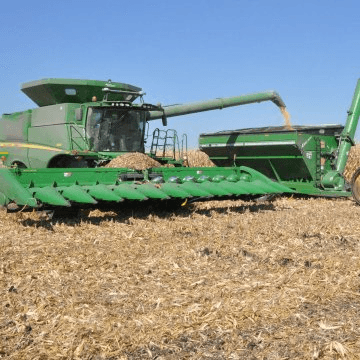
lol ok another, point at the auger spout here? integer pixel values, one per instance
(220, 103)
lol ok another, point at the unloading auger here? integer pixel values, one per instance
(220, 103)
(54, 154)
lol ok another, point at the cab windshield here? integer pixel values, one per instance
(115, 130)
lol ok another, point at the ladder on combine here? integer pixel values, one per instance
(78, 140)
(165, 144)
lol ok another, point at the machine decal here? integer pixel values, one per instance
(29, 146)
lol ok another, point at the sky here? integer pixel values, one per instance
(186, 51)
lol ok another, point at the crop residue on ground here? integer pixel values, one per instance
(218, 280)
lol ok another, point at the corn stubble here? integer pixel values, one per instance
(218, 280)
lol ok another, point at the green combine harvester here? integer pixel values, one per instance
(54, 156)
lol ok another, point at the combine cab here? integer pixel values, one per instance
(80, 123)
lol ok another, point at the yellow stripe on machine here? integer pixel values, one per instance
(29, 146)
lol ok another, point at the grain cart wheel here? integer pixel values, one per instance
(355, 186)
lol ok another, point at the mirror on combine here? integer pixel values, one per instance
(164, 120)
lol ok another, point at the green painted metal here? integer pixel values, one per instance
(48, 195)
(89, 186)
(76, 194)
(151, 191)
(334, 178)
(128, 192)
(308, 159)
(53, 91)
(102, 192)
(175, 191)
(12, 190)
(220, 103)
(293, 156)
(348, 134)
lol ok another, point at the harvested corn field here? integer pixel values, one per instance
(218, 280)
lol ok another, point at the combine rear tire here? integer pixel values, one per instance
(355, 186)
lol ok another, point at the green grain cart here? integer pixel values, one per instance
(308, 159)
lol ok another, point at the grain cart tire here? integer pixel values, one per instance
(355, 186)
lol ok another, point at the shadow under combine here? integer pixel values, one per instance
(133, 210)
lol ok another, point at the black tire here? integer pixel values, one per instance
(19, 165)
(355, 186)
